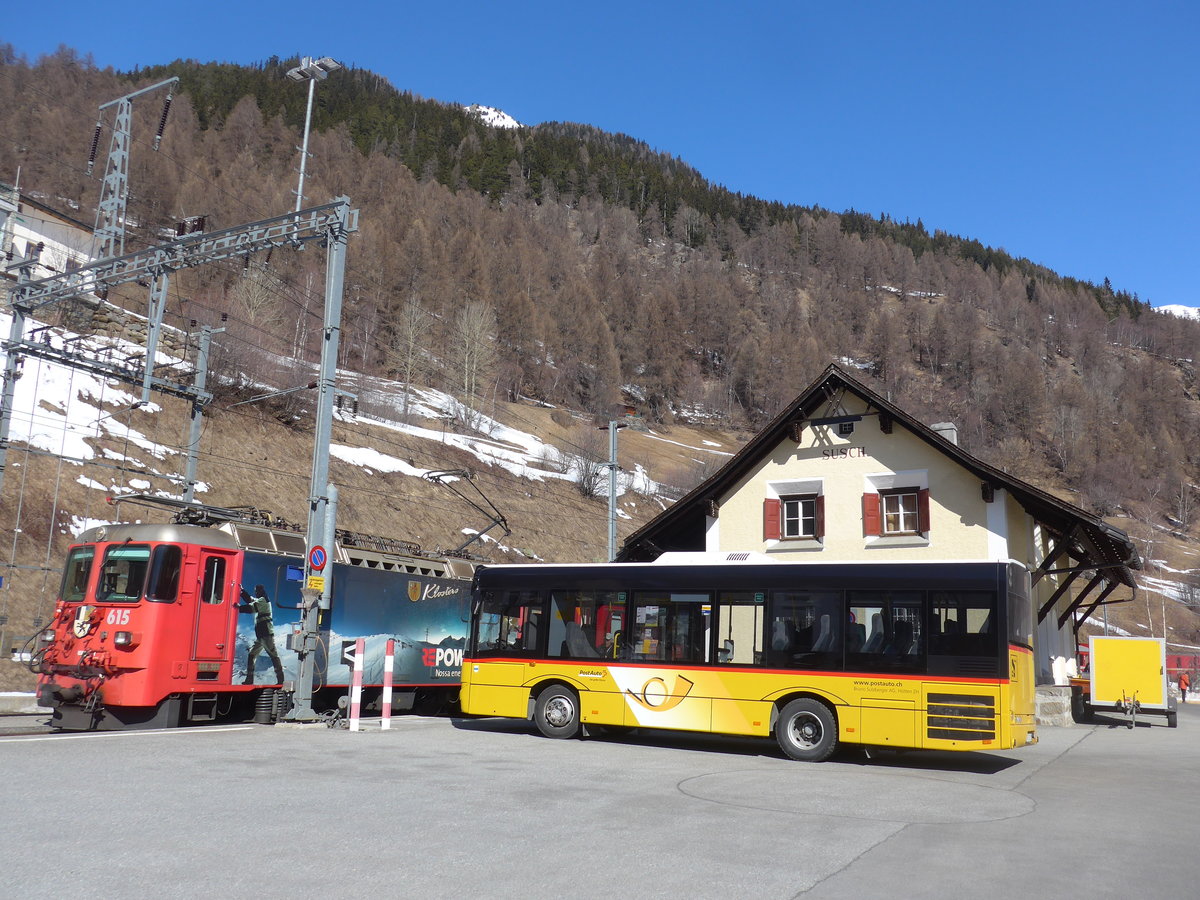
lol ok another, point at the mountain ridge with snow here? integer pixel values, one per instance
(489, 115)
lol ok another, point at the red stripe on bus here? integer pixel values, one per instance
(900, 676)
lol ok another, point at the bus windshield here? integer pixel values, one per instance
(123, 575)
(76, 573)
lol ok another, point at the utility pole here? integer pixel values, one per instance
(193, 447)
(612, 467)
(321, 510)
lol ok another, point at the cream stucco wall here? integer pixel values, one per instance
(843, 468)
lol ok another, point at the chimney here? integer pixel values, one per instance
(947, 430)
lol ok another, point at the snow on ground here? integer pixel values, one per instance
(657, 437)
(488, 539)
(58, 410)
(80, 524)
(1168, 587)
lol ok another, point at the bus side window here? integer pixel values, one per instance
(961, 623)
(572, 627)
(670, 627)
(893, 630)
(738, 621)
(509, 623)
(805, 630)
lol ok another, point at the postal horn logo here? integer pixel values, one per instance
(414, 591)
(655, 696)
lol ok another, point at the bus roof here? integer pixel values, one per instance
(751, 558)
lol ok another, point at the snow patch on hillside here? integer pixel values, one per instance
(496, 118)
(1181, 312)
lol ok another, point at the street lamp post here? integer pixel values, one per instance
(312, 71)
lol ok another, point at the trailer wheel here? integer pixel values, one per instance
(807, 730)
(556, 712)
(1172, 719)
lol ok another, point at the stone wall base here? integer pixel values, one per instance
(1054, 705)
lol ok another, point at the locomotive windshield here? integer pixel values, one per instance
(123, 574)
(76, 573)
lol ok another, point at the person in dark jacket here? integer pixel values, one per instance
(264, 632)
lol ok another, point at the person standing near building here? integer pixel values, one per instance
(264, 632)
(1184, 683)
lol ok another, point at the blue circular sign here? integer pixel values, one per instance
(316, 557)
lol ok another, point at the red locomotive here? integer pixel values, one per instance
(163, 625)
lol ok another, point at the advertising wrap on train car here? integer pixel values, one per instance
(425, 616)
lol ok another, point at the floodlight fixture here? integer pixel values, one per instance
(312, 71)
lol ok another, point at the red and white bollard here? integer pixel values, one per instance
(360, 650)
(388, 665)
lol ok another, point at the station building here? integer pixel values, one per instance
(842, 474)
(29, 229)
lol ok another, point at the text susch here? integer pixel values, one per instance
(843, 452)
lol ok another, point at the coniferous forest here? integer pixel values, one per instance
(585, 269)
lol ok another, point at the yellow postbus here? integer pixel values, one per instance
(909, 655)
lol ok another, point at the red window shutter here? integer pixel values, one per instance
(771, 516)
(923, 511)
(820, 504)
(872, 516)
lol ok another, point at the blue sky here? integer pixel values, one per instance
(1065, 132)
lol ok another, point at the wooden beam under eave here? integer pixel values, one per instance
(1062, 589)
(1112, 586)
(1078, 601)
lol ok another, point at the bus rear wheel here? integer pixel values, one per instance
(807, 730)
(556, 712)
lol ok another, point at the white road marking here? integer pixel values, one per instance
(132, 733)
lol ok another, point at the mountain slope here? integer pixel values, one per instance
(532, 271)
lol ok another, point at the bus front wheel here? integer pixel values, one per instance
(807, 730)
(556, 712)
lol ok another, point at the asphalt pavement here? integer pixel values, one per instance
(487, 808)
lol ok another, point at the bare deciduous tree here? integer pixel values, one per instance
(410, 329)
(473, 353)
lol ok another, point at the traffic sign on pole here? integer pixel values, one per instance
(317, 557)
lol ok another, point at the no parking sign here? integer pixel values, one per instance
(317, 558)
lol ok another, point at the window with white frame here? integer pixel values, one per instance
(799, 516)
(901, 511)
(896, 505)
(794, 510)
